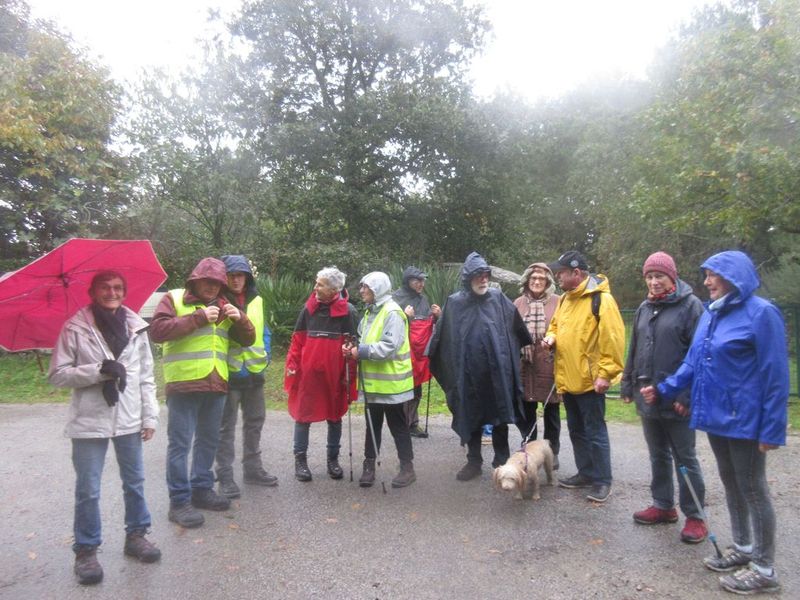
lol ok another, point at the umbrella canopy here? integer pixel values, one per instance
(37, 300)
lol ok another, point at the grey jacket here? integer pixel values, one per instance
(76, 361)
(661, 336)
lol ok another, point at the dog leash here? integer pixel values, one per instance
(536, 421)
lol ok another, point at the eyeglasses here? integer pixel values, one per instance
(537, 278)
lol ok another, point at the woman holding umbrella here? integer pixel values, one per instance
(103, 354)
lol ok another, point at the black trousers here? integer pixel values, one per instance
(552, 423)
(499, 445)
(398, 426)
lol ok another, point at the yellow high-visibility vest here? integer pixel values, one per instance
(254, 357)
(393, 376)
(194, 356)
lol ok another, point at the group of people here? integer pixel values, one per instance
(722, 368)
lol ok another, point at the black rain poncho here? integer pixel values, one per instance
(475, 355)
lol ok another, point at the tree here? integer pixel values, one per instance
(350, 102)
(722, 162)
(199, 188)
(58, 175)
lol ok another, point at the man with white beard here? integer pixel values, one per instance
(474, 355)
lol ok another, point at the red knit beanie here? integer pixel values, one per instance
(663, 262)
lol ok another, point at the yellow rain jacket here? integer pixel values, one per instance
(587, 347)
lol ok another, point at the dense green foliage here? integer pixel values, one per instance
(345, 132)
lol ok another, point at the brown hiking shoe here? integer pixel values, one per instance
(139, 547)
(406, 476)
(368, 475)
(87, 568)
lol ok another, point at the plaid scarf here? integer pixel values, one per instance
(534, 318)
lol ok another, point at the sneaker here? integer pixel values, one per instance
(208, 499)
(653, 515)
(139, 547)
(229, 489)
(576, 481)
(260, 477)
(87, 568)
(750, 581)
(417, 432)
(486, 440)
(730, 560)
(599, 493)
(471, 470)
(186, 515)
(694, 531)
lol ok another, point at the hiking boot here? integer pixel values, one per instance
(599, 493)
(334, 468)
(417, 432)
(750, 581)
(301, 470)
(139, 547)
(653, 515)
(208, 499)
(694, 531)
(260, 477)
(574, 482)
(406, 476)
(368, 474)
(186, 515)
(730, 560)
(87, 568)
(229, 489)
(471, 470)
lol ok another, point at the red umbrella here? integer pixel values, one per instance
(36, 300)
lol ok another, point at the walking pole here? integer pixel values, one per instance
(349, 414)
(370, 426)
(643, 381)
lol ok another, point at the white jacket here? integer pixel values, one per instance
(76, 361)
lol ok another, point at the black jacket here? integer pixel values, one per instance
(662, 333)
(475, 353)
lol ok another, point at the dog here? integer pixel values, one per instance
(520, 474)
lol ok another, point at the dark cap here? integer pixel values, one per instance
(571, 259)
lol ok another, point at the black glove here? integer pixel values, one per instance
(110, 392)
(117, 371)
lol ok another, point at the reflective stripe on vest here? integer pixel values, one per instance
(393, 376)
(253, 357)
(195, 355)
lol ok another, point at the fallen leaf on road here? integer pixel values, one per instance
(331, 520)
(357, 506)
(233, 567)
(597, 542)
(30, 535)
(198, 540)
(233, 526)
(413, 516)
(495, 551)
(32, 555)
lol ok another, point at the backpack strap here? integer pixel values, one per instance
(596, 298)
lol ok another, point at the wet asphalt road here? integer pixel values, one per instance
(438, 538)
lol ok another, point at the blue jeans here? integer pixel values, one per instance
(657, 434)
(743, 470)
(301, 431)
(88, 457)
(586, 421)
(195, 415)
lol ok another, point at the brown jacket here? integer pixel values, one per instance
(167, 325)
(537, 376)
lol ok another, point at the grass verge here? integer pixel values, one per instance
(24, 382)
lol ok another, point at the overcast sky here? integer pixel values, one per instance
(538, 47)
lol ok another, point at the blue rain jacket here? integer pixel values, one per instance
(738, 364)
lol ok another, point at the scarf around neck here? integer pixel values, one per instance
(113, 326)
